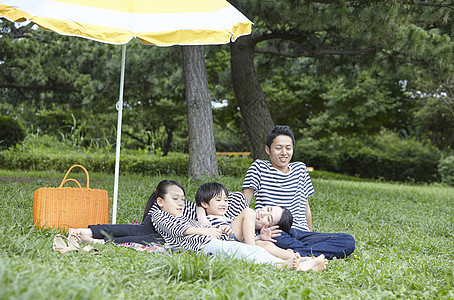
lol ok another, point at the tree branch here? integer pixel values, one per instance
(39, 87)
(313, 53)
(134, 137)
(410, 2)
(239, 136)
(431, 4)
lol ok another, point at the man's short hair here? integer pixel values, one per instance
(208, 191)
(279, 130)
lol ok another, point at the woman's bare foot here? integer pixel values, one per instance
(318, 264)
(84, 235)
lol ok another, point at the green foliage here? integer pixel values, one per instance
(226, 140)
(11, 132)
(446, 169)
(434, 119)
(363, 47)
(359, 104)
(345, 80)
(385, 156)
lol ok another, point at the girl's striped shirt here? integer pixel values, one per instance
(171, 228)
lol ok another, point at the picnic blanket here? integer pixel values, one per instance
(153, 248)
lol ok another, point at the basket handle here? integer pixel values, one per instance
(70, 179)
(86, 172)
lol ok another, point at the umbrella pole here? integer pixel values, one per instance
(117, 154)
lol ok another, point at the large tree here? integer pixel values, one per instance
(395, 33)
(202, 150)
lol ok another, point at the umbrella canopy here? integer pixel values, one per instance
(157, 22)
(162, 23)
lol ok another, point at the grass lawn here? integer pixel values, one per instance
(404, 248)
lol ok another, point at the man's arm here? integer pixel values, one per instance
(249, 193)
(308, 216)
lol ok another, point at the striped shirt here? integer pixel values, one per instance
(237, 202)
(217, 221)
(172, 229)
(189, 210)
(272, 187)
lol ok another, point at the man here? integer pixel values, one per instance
(278, 182)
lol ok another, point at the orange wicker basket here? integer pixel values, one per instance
(67, 207)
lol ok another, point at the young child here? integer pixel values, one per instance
(213, 197)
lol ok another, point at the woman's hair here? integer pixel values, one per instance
(286, 221)
(161, 191)
(208, 191)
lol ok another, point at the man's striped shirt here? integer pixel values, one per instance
(272, 187)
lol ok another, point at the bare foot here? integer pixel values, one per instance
(318, 264)
(287, 254)
(290, 264)
(298, 255)
(82, 235)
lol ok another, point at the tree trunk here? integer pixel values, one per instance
(256, 115)
(202, 150)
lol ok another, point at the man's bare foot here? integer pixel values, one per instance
(317, 264)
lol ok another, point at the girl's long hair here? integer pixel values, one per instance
(286, 221)
(161, 191)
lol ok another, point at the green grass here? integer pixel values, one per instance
(404, 236)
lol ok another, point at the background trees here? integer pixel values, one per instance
(345, 75)
(59, 85)
(342, 38)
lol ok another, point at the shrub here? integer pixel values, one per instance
(173, 164)
(11, 132)
(327, 154)
(384, 155)
(234, 165)
(446, 170)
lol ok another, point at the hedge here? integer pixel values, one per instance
(384, 156)
(176, 164)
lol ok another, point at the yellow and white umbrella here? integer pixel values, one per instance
(158, 22)
(162, 23)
